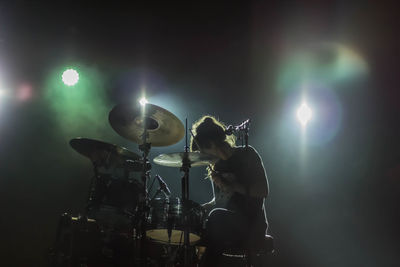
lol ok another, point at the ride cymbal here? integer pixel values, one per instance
(195, 159)
(163, 127)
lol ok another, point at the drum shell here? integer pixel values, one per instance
(166, 216)
(123, 194)
(114, 202)
(80, 241)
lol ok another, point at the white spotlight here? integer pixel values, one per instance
(304, 114)
(70, 77)
(143, 101)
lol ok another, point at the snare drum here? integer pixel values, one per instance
(165, 222)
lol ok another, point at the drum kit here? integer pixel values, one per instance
(122, 224)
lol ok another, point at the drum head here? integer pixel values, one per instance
(161, 236)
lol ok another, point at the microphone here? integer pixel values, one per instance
(241, 127)
(229, 130)
(163, 185)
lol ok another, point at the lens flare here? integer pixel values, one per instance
(24, 92)
(3, 93)
(327, 63)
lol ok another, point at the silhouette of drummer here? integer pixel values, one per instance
(239, 185)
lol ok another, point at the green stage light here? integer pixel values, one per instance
(70, 77)
(87, 104)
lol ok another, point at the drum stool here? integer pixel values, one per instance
(251, 251)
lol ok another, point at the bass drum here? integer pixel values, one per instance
(81, 242)
(165, 222)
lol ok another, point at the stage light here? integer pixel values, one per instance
(70, 77)
(304, 114)
(143, 101)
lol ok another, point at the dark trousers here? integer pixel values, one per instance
(227, 229)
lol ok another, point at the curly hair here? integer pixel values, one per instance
(207, 131)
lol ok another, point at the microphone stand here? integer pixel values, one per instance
(159, 190)
(246, 133)
(243, 130)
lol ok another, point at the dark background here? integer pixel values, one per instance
(334, 194)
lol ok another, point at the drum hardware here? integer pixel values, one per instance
(176, 223)
(195, 159)
(242, 130)
(80, 241)
(179, 222)
(136, 165)
(167, 221)
(163, 187)
(184, 160)
(104, 154)
(186, 164)
(145, 148)
(105, 192)
(147, 125)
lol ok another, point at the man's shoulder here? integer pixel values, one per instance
(246, 150)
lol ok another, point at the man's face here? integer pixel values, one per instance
(212, 150)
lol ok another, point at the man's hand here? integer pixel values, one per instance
(224, 180)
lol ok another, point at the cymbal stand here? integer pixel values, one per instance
(145, 148)
(95, 179)
(92, 188)
(185, 197)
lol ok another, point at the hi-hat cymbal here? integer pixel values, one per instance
(103, 153)
(195, 159)
(163, 127)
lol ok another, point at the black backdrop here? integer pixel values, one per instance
(337, 207)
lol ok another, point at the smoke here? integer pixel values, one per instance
(80, 110)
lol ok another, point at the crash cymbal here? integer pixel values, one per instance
(195, 159)
(103, 153)
(163, 127)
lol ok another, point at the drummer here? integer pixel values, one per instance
(239, 184)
